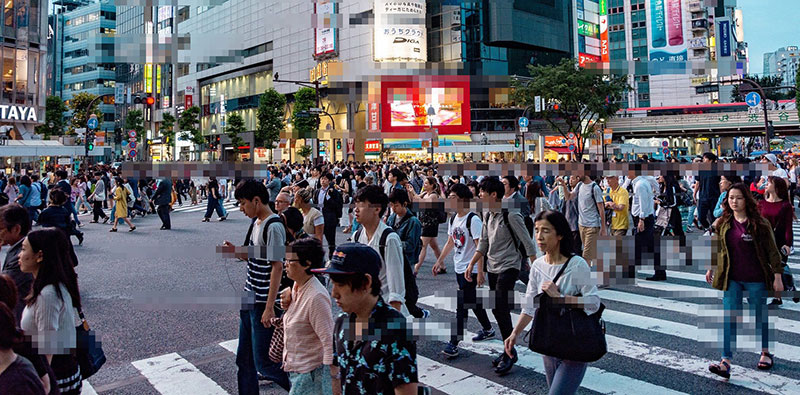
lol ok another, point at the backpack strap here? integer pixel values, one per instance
(249, 232)
(382, 245)
(511, 230)
(357, 235)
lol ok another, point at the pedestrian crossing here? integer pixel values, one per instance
(185, 208)
(666, 329)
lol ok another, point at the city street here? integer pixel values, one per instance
(165, 306)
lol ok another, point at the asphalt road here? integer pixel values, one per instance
(151, 293)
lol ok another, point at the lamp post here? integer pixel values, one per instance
(603, 135)
(431, 112)
(213, 132)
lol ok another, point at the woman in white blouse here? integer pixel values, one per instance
(553, 237)
(50, 315)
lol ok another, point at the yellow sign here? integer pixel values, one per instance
(158, 79)
(320, 72)
(700, 80)
(148, 78)
(607, 135)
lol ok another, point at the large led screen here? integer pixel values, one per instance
(406, 105)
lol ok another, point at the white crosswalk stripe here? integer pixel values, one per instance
(669, 317)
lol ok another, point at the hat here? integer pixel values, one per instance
(352, 258)
(772, 158)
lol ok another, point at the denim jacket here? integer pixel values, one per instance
(409, 229)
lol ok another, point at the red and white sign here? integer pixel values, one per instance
(351, 146)
(372, 146)
(374, 116)
(584, 58)
(188, 101)
(132, 134)
(604, 56)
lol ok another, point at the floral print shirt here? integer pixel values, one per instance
(380, 360)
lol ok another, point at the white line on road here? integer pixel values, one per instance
(87, 388)
(171, 374)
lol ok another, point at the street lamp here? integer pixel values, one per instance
(213, 132)
(431, 112)
(603, 136)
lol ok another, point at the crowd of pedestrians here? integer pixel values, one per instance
(543, 230)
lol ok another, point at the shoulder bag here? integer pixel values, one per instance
(276, 344)
(567, 333)
(88, 351)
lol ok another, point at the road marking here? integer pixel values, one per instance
(688, 291)
(171, 374)
(230, 345)
(87, 388)
(671, 359)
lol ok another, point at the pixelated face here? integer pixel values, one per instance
(248, 207)
(735, 200)
(324, 181)
(366, 211)
(29, 260)
(546, 237)
(347, 298)
(282, 202)
(294, 270)
(398, 208)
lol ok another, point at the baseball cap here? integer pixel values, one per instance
(772, 158)
(352, 258)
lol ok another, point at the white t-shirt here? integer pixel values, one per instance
(779, 172)
(463, 246)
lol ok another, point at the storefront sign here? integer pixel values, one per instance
(148, 78)
(325, 32)
(374, 116)
(188, 101)
(400, 34)
(584, 58)
(557, 141)
(17, 113)
(587, 28)
(320, 72)
(372, 146)
(604, 54)
(351, 146)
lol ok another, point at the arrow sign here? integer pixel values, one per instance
(753, 99)
(523, 122)
(132, 134)
(92, 123)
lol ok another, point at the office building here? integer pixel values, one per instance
(783, 63)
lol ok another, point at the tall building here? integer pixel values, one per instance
(783, 63)
(55, 43)
(24, 53)
(87, 56)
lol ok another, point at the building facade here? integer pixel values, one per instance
(783, 63)
(24, 54)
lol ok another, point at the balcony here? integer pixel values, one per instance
(695, 6)
(700, 24)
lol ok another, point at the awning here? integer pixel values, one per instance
(560, 150)
(29, 148)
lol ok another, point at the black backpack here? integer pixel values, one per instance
(412, 292)
(271, 221)
(517, 242)
(469, 222)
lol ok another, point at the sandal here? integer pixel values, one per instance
(132, 229)
(765, 365)
(716, 368)
(112, 230)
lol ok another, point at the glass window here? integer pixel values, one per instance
(8, 73)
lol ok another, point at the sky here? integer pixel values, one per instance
(769, 25)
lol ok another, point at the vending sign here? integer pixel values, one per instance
(668, 21)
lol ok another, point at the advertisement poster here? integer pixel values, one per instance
(325, 32)
(584, 58)
(724, 38)
(405, 105)
(400, 33)
(374, 116)
(604, 54)
(668, 30)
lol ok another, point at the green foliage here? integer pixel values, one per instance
(135, 121)
(189, 124)
(80, 112)
(234, 128)
(304, 151)
(54, 113)
(168, 132)
(767, 81)
(269, 119)
(583, 95)
(305, 126)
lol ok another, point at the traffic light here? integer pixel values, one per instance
(338, 144)
(149, 100)
(89, 140)
(516, 142)
(770, 131)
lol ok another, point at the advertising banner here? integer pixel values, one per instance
(584, 58)
(148, 78)
(325, 33)
(604, 54)
(374, 114)
(587, 29)
(119, 93)
(372, 146)
(405, 104)
(668, 21)
(724, 38)
(400, 33)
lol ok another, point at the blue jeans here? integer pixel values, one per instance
(33, 212)
(317, 381)
(732, 301)
(71, 208)
(563, 377)
(252, 356)
(213, 204)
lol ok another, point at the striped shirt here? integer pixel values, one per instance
(308, 328)
(259, 271)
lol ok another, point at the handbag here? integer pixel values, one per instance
(276, 344)
(662, 221)
(88, 351)
(567, 333)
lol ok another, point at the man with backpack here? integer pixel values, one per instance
(407, 226)
(503, 237)
(463, 234)
(37, 201)
(371, 204)
(591, 216)
(265, 277)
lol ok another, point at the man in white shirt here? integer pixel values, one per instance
(642, 210)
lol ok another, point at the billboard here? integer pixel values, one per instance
(668, 22)
(584, 58)
(587, 28)
(604, 54)
(400, 34)
(724, 35)
(405, 102)
(325, 33)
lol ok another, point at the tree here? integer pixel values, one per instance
(80, 112)
(234, 128)
(767, 81)
(304, 151)
(54, 114)
(168, 133)
(269, 120)
(188, 123)
(305, 124)
(581, 96)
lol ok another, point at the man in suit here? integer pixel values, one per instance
(14, 226)
(330, 201)
(162, 198)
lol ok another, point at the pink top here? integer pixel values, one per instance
(308, 328)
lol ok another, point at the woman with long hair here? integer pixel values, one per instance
(429, 216)
(725, 183)
(121, 205)
(11, 189)
(574, 288)
(50, 314)
(536, 198)
(748, 261)
(777, 209)
(313, 220)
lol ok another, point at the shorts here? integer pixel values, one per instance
(430, 231)
(589, 237)
(619, 232)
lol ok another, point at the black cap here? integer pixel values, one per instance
(352, 258)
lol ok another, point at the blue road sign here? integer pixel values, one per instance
(92, 123)
(133, 144)
(666, 151)
(523, 122)
(124, 143)
(132, 153)
(665, 143)
(571, 148)
(753, 99)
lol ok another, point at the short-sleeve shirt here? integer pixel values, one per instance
(588, 214)
(383, 359)
(311, 219)
(463, 244)
(619, 219)
(259, 271)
